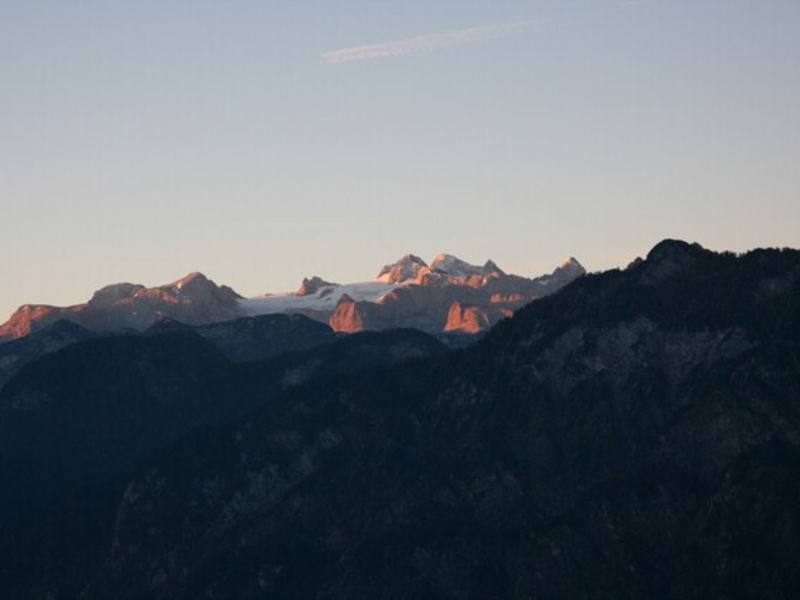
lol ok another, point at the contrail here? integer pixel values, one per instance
(424, 43)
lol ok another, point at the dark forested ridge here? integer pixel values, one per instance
(17, 353)
(76, 423)
(635, 435)
(240, 340)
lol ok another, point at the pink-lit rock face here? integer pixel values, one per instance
(408, 293)
(194, 299)
(459, 272)
(346, 318)
(409, 268)
(503, 298)
(466, 319)
(27, 319)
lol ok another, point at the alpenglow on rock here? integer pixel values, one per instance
(409, 268)
(194, 299)
(450, 295)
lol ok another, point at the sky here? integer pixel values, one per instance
(263, 141)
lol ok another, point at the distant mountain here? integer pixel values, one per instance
(194, 299)
(407, 269)
(450, 295)
(407, 293)
(636, 435)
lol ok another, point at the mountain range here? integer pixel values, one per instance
(635, 434)
(449, 296)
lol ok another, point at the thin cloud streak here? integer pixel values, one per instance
(426, 43)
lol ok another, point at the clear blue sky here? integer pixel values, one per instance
(142, 140)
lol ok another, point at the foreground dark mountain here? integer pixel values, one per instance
(74, 424)
(91, 411)
(242, 339)
(86, 413)
(637, 435)
(17, 353)
(255, 338)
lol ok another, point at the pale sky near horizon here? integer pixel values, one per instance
(260, 142)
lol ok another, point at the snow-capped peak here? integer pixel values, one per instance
(408, 268)
(455, 267)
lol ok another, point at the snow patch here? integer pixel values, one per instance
(325, 299)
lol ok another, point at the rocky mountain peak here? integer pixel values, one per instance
(571, 265)
(450, 264)
(195, 278)
(453, 266)
(25, 320)
(491, 267)
(676, 250)
(407, 268)
(193, 299)
(670, 256)
(566, 272)
(311, 286)
(200, 288)
(115, 292)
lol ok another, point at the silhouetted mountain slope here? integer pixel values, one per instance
(243, 339)
(51, 553)
(351, 354)
(75, 423)
(89, 412)
(17, 353)
(85, 413)
(681, 286)
(257, 338)
(636, 435)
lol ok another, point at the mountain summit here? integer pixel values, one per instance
(452, 266)
(193, 299)
(407, 269)
(450, 295)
